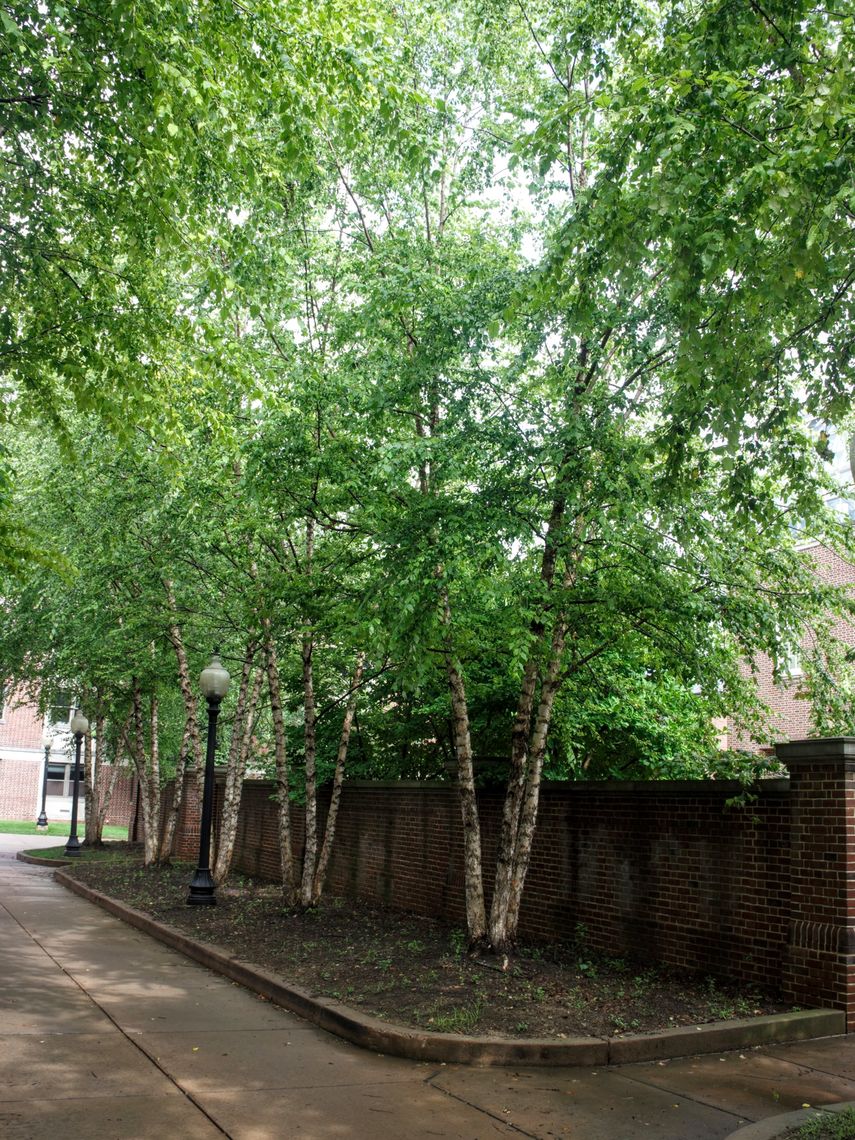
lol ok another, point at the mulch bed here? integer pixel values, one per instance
(415, 971)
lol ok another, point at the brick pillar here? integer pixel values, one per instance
(820, 964)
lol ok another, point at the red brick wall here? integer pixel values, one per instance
(123, 801)
(822, 910)
(663, 871)
(20, 792)
(21, 755)
(20, 782)
(676, 875)
(20, 723)
(21, 729)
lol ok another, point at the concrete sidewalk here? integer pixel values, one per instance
(106, 1034)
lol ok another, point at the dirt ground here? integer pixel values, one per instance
(415, 971)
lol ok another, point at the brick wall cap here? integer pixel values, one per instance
(821, 748)
(671, 787)
(772, 784)
(378, 785)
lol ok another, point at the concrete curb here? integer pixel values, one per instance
(720, 1036)
(399, 1041)
(39, 861)
(775, 1126)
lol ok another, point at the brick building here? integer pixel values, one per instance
(22, 757)
(22, 760)
(786, 696)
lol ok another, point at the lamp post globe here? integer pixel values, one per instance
(214, 683)
(214, 680)
(79, 728)
(47, 744)
(79, 724)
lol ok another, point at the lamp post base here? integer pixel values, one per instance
(202, 889)
(72, 848)
(42, 822)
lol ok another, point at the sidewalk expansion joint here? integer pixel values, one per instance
(739, 1117)
(137, 1044)
(479, 1108)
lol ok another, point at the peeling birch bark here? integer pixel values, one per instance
(504, 914)
(234, 745)
(283, 791)
(188, 695)
(89, 777)
(515, 794)
(250, 688)
(512, 803)
(93, 825)
(154, 779)
(176, 799)
(473, 873)
(476, 917)
(512, 866)
(310, 849)
(338, 779)
(150, 841)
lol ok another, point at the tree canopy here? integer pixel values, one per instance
(462, 370)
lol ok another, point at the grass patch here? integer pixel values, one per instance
(832, 1126)
(60, 828)
(462, 1019)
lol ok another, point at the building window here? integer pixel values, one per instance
(788, 665)
(60, 778)
(61, 709)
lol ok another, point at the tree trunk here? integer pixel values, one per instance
(89, 778)
(154, 780)
(176, 799)
(310, 850)
(236, 764)
(473, 874)
(511, 870)
(92, 825)
(338, 779)
(520, 740)
(512, 804)
(283, 791)
(476, 915)
(188, 695)
(229, 809)
(528, 815)
(138, 753)
(515, 847)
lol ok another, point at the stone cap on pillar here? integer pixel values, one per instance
(821, 750)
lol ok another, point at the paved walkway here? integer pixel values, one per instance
(107, 1035)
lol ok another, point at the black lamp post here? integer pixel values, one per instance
(79, 728)
(214, 683)
(47, 741)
